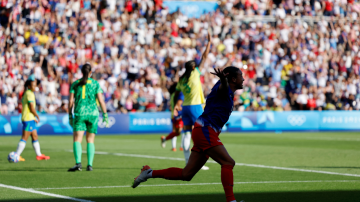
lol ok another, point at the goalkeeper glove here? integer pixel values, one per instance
(106, 120)
(71, 120)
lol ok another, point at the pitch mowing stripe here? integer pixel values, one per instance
(238, 164)
(43, 193)
(201, 184)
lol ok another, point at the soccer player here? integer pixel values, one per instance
(205, 135)
(29, 118)
(190, 85)
(86, 114)
(176, 120)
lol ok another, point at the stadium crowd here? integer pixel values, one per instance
(137, 50)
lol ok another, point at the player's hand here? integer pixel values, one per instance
(37, 120)
(106, 120)
(209, 36)
(220, 73)
(71, 120)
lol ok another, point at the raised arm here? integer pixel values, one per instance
(204, 56)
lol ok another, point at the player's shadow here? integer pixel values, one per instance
(315, 196)
(346, 167)
(49, 169)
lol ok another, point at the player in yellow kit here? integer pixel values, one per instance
(190, 85)
(29, 118)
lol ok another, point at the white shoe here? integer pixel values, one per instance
(205, 168)
(142, 177)
(163, 142)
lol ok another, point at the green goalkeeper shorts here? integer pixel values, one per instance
(86, 123)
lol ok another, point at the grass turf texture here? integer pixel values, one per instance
(333, 152)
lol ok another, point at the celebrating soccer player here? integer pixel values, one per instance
(190, 85)
(29, 118)
(86, 115)
(176, 120)
(205, 135)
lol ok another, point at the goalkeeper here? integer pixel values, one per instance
(83, 94)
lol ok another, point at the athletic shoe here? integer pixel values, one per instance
(42, 157)
(142, 177)
(205, 168)
(173, 149)
(77, 167)
(21, 159)
(181, 149)
(89, 168)
(163, 141)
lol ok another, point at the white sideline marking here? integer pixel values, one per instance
(200, 184)
(238, 164)
(43, 193)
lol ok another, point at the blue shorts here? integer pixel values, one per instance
(190, 113)
(29, 126)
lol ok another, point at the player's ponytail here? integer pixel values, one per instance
(189, 67)
(86, 69)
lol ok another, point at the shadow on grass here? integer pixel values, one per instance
(316, 196)
(32, 169)
(346, 167)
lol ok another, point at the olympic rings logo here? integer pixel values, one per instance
(296, 120)
(102, 124)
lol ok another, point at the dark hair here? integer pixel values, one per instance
(172, 88)
(232, 72)
(86, 69)
(189, 65)
(27, 84)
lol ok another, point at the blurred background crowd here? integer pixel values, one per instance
(137, 50)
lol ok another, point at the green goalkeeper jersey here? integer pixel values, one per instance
(85, 97)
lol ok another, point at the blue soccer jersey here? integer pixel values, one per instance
(218, 108)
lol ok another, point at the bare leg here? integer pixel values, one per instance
(220, 155)
(35, 142)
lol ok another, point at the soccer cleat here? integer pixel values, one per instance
(163, 141)
(42, 157)
(142, 177)
(173, 149)
(205, 168)
(89, 168)
(21, 158)
(77, 167)
(181, 149)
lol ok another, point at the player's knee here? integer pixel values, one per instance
(230, 162)
(34, 137)
(187, 176)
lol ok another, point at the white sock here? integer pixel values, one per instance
(173, 141)
(36, 146)
(233, 201)
(21, 147)
(187, 141)
(182, 140)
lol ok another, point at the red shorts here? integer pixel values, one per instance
(204, 138)
(177, 123)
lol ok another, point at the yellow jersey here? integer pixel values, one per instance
(192, 89)
(28, 97)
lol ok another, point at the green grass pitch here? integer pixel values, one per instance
(263, 176)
